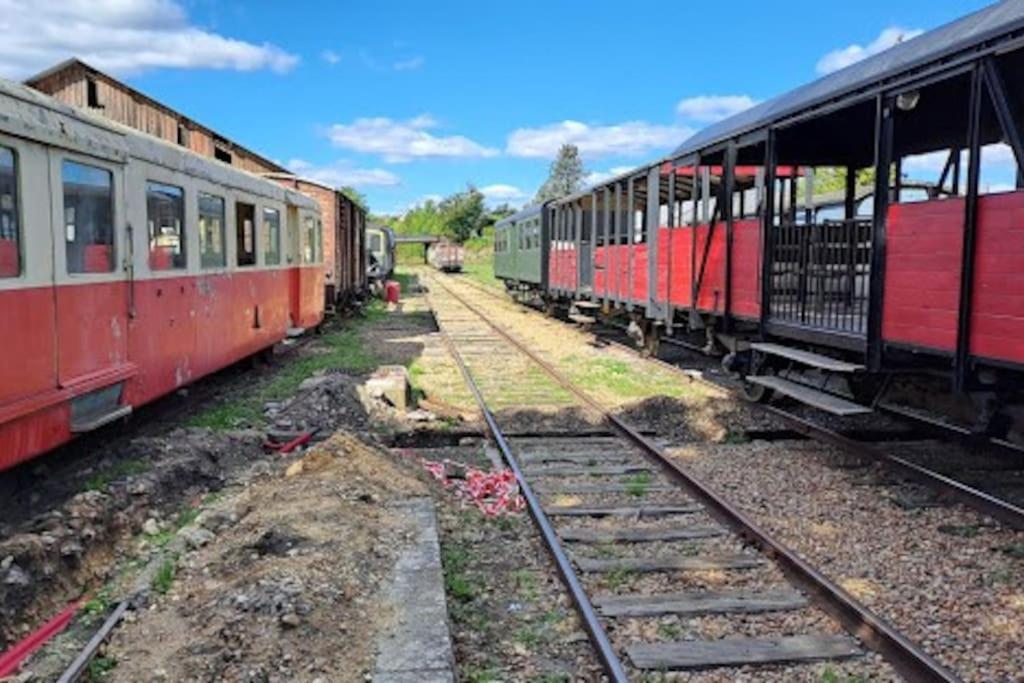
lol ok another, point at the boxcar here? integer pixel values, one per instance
(446, 256)
(130, 267)
(380, 253)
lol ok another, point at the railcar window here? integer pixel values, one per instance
(271, 237)
(88, 218)
(165, 214)
(10, 252)
(309, 240)
(245, 233)
(211, 231)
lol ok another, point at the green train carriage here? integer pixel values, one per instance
(520, 242)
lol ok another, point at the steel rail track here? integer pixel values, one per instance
(985, 503)
(599, 638)
(904, 655)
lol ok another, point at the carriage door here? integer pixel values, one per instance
(585, 235)
(91, 252)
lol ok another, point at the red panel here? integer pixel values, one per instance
(746, 268)
(997, 309)
(562, 268)
(711, 296)
(682, 279)
(638, 254)
(600, 270)
(25, 438)
(306, 293)
(91, 327)
(924, 244)
(29, 336)
(9, 258)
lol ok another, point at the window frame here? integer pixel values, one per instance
(18, 212)
(203, 265)
(57, 160)
(264, 253)
(184, 234)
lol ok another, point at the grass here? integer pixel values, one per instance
(124, 468)
(638, 484)
(101, 666)
(343, 350)
(621, 379)
(830, 676)
(482, 272)
(457, 581)
(670, 631)
(164, 577)
(1014, 550)
(100, 603)
(186, 516)
(618, 578)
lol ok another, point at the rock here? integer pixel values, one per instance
(151, 527)
(421, 416)
(314, 382)
(290, 620)
(294, 469)
(196, 537)
(391, 383)
(16, 576)
(6, 562)
(217, 520)
(71, 549)
(159, 675)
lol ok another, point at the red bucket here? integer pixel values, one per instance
(392, 291)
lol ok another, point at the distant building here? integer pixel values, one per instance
(76, 83)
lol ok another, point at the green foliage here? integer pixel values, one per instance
(357, 197)
(164, 577)
(463, 214)
(101, 666)
(99, 603)
(124, 468)
(566, 175)
(638, 484)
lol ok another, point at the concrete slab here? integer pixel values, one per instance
(419, 646)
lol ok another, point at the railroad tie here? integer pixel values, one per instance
(671, 563)
(632, 535)
(698, 602)
(708, 654)
(626, 511)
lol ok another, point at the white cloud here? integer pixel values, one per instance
(122, 37)
(410, 64)
(343, 173)
(500, 193)
(596, 177)
(710, 108)
(625, 139)
(330, 56)
(401, 141)
(851, 54)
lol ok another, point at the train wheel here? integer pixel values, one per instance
(651, 342)
(757, 393)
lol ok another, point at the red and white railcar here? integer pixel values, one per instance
(130, 268)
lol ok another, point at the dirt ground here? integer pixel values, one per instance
(295, 567)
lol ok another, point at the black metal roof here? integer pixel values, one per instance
(999, 19)
(521, 215)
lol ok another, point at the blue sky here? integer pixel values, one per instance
(408, 100)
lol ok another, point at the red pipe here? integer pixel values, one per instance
(13, 658)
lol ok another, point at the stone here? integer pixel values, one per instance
(391, 383)
(290, 620)
(151, 527)
(195, 537)
(16, 576)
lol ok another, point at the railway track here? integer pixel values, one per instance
(636, 538)
(945, 483)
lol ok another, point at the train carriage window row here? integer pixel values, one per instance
(165, 209)
(211, 231)
(10, 225)
(88, 217)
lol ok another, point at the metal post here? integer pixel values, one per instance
(728, 189)
(884, 108)
(607, 206)
(961, 365)
(767, 224)
(618, 229)
(668, 247)
(653, 224)
(630, 229)
(593, 243)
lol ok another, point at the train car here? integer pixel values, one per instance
(380, 253)
(129, 268)
(446, 256)
(343, 228)
(917, 274)
(519, 245)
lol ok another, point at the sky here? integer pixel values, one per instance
(413, 100)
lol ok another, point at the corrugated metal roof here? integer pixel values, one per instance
(991, 22)
(522, 214)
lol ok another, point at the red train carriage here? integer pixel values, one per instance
(866, 226)
(129, 268)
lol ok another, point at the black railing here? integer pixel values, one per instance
(821, 275)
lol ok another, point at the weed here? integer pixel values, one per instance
(123, 468)
(638, 484)
(101, 666)
(526, 583)
(1014, 550)
(670, 631)
(528, 636)
(830, 676)
(963, 531)
(733, 436)
(164, 577)
(618, 578)
(457, 582)
(552, 677)
(488, 674)
(100, 602)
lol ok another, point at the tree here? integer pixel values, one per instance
(357, 197)
(463, 214)
(566, 175)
